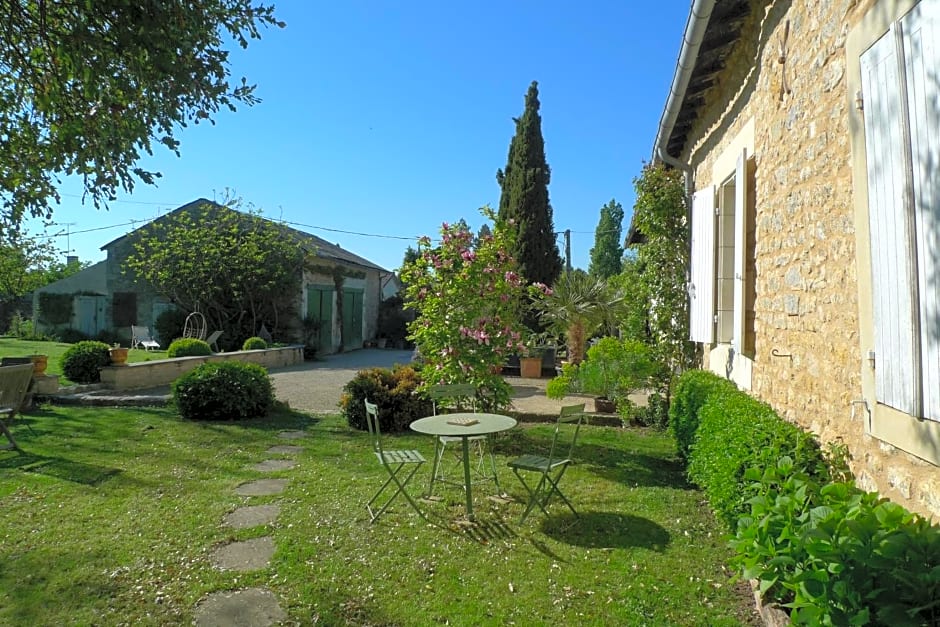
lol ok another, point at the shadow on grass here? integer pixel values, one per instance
(60, 468)
(606, 530)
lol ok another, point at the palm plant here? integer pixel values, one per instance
(576, 306)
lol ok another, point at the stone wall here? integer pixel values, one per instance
(148, 374)
(787, 75)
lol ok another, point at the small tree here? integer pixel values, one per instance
(468, 301)
(607, 254)
(238, 269)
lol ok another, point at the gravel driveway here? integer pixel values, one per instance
(315, 386)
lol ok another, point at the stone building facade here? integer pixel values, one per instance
(770, 130)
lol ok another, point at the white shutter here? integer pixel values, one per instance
(702, 284)
(922, 58)
(891, 268)
(740, 232)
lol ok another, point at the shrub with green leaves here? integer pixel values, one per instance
(224, 391)
(80, 362)
(393, 390)
(737, 432)
(254, 343)
(188, 347)
(689, 392)
(836, 555)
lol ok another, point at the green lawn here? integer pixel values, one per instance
(109, 516)
(13, 347)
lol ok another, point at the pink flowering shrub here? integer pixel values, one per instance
(469, 297)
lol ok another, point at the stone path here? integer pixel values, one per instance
(250, 607)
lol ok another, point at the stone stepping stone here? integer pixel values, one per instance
(261, 487)
(244, 556)
(292, 435)
(252, 607)
(285, 449)
(271, 465)
(252, 516)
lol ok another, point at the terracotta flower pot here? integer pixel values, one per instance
(530, 367)
(118, 356)
(604, 405)
(39, 364)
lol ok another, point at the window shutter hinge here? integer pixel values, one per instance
(871, 359)
(859, 100)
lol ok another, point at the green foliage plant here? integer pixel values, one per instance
(394, 390)
(254, 343)
(23, 329)
(468, 300)
(228, 390)
(188, 347)
(169, 325)
(92, 86)
(523, 202)
(836, 555)
(613, 369)
(607, 253)
(689, 392)
(80, 362)
(736, 433)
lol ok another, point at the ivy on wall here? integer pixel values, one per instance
(55, 308)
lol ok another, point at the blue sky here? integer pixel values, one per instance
(389, 118)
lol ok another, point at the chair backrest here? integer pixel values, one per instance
(14, 383)
(140, 333)
(372, 421)
(569, 414)
(213, 337)
(457, 392)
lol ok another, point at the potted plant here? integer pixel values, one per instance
(612, 371)
(40, 362)
(118, 355)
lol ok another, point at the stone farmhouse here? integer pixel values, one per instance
(809, 136)
(104, 297)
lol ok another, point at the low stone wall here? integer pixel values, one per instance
(148, 374)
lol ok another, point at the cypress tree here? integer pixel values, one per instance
(607, 254)
(524, 197)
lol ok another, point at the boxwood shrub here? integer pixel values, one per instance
(690, 391)
(224, 391)
(393, 390)
(80, 362)
(254, 343)
(737, 432)
(188, 347)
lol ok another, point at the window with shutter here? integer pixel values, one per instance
(702, 279)
(902, 138)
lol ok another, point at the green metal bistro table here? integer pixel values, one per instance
(464, 425)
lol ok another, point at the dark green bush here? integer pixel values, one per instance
(81, 361)
(169, 325)
(254, 343)
(689, 392)
(224, 391)
(188, 347)
(737, 432)
(837, 555)
(71, 336)
(394, 393)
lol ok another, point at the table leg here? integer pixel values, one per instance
(466, 475)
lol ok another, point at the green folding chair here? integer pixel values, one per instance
(552, 468)
(393, 462)
(463, 396)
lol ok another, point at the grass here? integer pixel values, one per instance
(14, 347)
(110, 514)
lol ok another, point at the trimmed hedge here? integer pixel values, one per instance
(81, 361)
(254, 343)
(737, 432)
(188, 347)
(224, 391)
(690, 391)
(394, 391)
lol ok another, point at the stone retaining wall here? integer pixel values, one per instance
(148, 374)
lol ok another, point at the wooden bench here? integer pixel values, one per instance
(14, 384)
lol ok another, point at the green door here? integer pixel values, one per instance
(320, 306)
(352, 318)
